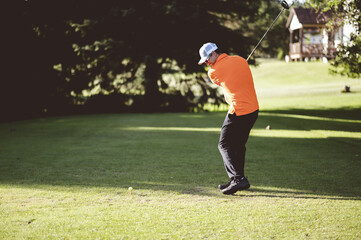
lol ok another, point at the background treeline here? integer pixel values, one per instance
(119, 56)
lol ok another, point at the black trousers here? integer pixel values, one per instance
(232, 143)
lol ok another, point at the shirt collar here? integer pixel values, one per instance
(220, 58)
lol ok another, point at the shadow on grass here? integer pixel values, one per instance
(178, 153)
(267, 193)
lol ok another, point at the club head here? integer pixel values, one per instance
(285, 4)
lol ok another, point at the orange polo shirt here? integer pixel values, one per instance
(233, 74)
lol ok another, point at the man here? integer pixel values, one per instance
(233, 74)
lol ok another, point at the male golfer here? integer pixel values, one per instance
(233, 74)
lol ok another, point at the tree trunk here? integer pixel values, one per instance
(152, 73)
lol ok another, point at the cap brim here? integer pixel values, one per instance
(202, 61)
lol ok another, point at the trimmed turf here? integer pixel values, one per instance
(68, 177)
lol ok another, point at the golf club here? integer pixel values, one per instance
(285, 6)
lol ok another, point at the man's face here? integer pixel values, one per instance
(212, 59)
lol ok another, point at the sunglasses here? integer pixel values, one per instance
(210, 55)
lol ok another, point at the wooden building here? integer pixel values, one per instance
(309, 38)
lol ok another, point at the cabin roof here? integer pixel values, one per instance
(309, 16)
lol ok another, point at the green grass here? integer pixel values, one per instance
(68, 177)
(300, 85)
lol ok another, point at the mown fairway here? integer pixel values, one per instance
(68, 177)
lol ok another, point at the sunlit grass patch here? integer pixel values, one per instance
(261, 132)
(304, 133)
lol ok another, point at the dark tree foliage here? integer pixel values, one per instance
(138, 55)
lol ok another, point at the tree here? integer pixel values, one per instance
(116, 55)
(130, 46)
(276, 42)
(36, 37)
(348, 58)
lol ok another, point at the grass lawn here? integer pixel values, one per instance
(68, 177)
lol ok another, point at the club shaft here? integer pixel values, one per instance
(254, 49)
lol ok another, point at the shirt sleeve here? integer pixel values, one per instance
(213, 76)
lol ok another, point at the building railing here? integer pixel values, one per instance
(311, 50)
